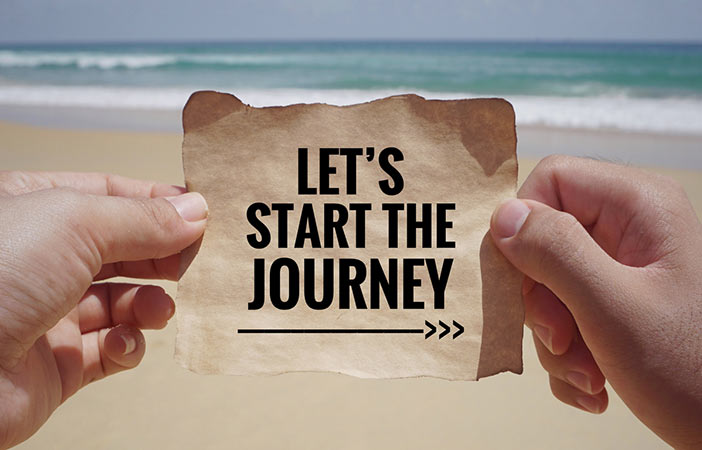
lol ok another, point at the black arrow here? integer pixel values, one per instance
(459, 331)
(432, 329)
(446, 329)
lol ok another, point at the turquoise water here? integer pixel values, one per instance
(604, 85)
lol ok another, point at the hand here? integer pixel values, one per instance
(59, 233)
(613, 288)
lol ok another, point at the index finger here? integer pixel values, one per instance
(606, 198)
(19, 182)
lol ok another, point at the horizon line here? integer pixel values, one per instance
(629, 41)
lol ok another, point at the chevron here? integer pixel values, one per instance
(446, 328)
(432, 329)
(459, 331)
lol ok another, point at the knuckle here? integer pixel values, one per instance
(564, 226)
(14, 182)
(553, 240)
(550, 362)
(545, 358)
(7, 177)
(550, 165)
(556, 163)
(158, 215)
(556, 388)
(553, 161)
(562, 391)
(544, 177)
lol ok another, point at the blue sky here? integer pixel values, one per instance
(139, 20)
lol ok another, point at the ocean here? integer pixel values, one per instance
(615, 86)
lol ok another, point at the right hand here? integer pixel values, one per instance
(613, 288)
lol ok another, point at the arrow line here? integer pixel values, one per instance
(430, 331)
(330, 331)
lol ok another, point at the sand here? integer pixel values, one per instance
(160, 405)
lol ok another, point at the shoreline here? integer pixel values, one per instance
(99, 118)
(155, 119)
(646, 149)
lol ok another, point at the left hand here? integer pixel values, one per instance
(59, 330)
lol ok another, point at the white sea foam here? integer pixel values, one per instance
(94, 96)
(664, 115)
(83, 60)
(108, 61)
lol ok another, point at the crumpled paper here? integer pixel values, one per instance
(455, 152)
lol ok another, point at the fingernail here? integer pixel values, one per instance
(129, 343)
(510, 217)
(589, 404)
(544, 335)
(171, 310)
(580, 381)
(191, 206)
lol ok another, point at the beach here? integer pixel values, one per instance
(161, 405)
(115, 107)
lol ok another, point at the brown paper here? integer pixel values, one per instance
(460, 152)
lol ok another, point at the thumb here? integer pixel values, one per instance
(54, 241)
(132, 229)
(554, 249)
